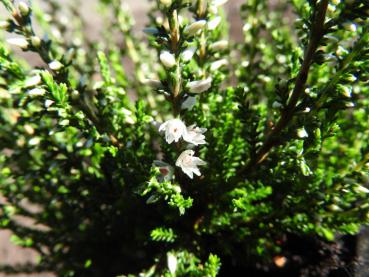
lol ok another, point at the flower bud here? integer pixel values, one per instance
(361, 189)
(172, 263)
(33, 81)
(55, 65)
(277, 105)
(166, 3)
(349, 26)
(152, 83)
(23, 9)
(199, 86)
(346, 91)
(20, 42)
(195, 27)
(334, 208)
(301, 133)
(350, 78)
(188, 53)
(4, 24)
(219, 45)
(167, 59)
(36, 92)
(35, 41)
(213, 24)
(189, 103)
(218, 64)
(75, 94)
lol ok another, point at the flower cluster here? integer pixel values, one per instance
(174, 130)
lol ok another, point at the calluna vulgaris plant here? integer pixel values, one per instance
(176, 152)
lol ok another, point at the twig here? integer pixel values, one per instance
(316, 34)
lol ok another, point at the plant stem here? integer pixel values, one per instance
(316, 33)
(176, 82)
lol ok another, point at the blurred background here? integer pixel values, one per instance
(11, 254)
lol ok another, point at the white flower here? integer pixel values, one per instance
(55, 65)
(188, 53)
(188, 163)
(195, 135)
(199, 86)
(193, 28)
(219, 45)
(218, 64)
(212, 24)
(189, 103)
(167, 59)
(20, 42)
(174, 130)
(172, 263)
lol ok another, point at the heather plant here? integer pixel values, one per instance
(176, 151)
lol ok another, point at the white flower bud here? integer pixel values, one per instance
(188, 53)
(189, 103)
(361, 189)
(199, 86)
(341, 51)
(152, 83)
(166, 3)
(350, 78)
(55, 65)
(35, 41)
(75, 94)
(349, 26)
(167, 59)
(213, 24)
(4, 24)
(194, 27)
(218, 64)
(346, 91)
(36, 92)
(350, 105)
(334, 208)
(172, 263)
(277, 105)
(219, 45)
(33, 81)
(301, 133)
(23, 8)
(20, 42)
(48, 103)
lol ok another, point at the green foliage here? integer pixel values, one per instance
(258, 139)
